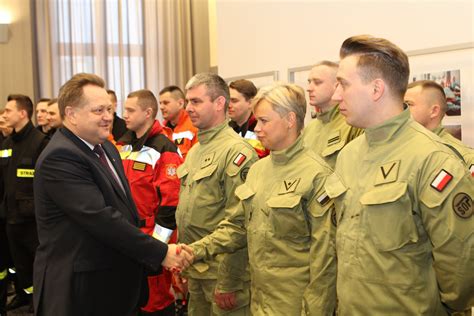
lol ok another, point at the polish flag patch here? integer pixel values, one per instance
(239, 160)
(441, 180)
(471, 168)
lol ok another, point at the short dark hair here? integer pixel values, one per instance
(439, 95)
(146, 99)
(244, 87)
(112, 93)
(175, 91)
(52, 101)
(23, 102)
(379, 57)
(43, 100)
(72, 93)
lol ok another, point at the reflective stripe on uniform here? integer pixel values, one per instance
(5, 153)
(250, 135)
(25, 173)
(29, 290)
(3, 274)
(146, 155)
(12, 270)
(186, 134)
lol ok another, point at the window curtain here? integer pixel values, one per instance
(132, 44)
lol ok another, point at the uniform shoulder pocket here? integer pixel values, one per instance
(240, 160)
(243, 192)
(440, 187)
(390, 221)
(334, 186)
(205, 172)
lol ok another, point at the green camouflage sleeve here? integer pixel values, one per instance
(446, 192)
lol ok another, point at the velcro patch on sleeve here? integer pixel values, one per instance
(239, 159)
(323, 199)
(441, 181)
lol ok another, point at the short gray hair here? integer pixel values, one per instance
(284, 98)
(216, 86)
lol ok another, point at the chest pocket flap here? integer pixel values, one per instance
(384, 194)
(284, 201)
(334, 186)
(243, 192)
(390, 221)
(205, 172)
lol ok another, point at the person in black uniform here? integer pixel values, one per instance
(119, 128)
(19, 154)
(5, 258)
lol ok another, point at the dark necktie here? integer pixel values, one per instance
(103, 161)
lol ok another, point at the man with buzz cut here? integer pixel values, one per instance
(404, 240)
(213, 169)
(178, 126)
(150, 160)
(20, 151)
(329, 132)
(426, 101)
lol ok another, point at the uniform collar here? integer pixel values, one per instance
(207, 135)
(387, 130)
(182, 117)
(281, 157)
(438, 130)
(16, 137)
(328, 116)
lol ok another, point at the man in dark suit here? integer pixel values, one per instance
(92, 254)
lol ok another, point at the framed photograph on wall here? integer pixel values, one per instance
(453, 67)
(299, 76)
(259, 79)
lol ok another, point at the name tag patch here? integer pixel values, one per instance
(140, 166)
(25, 173)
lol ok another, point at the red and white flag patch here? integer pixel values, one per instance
(471, 168)
(239, 160)
(441, 180)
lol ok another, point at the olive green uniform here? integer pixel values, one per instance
(466, 152)
(287, 221)
(213, 169)
(405, 237)
(328, 134)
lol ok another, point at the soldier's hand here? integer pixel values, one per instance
(225, 301)
(178, 257)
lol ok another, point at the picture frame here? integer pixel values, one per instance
(259, 79)
(299, 76)
(451, 58)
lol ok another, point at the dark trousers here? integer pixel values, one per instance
(23, 241)
(5, 263)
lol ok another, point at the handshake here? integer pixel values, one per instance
(178, 258)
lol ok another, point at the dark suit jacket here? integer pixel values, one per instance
(91, 255)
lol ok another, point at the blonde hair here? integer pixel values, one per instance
(284, 98)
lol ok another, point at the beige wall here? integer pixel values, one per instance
(16, 58)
